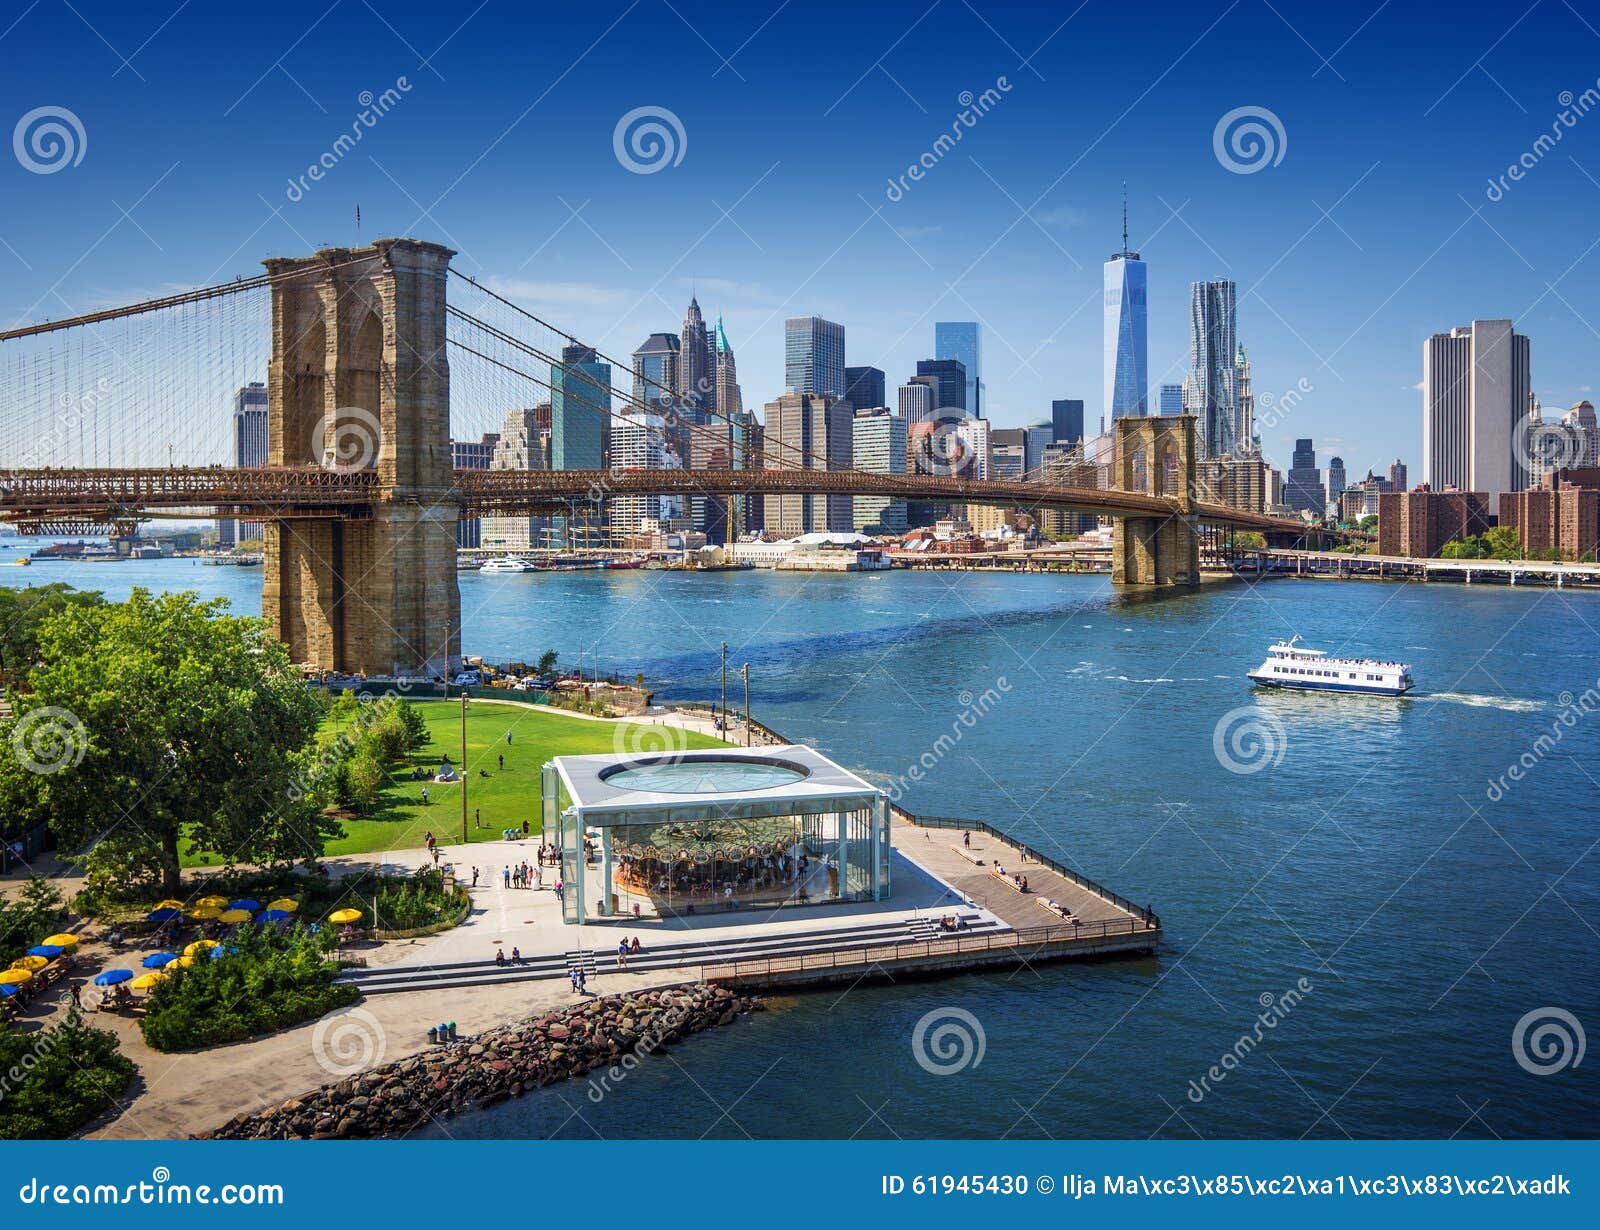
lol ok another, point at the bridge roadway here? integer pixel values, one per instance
(106, 495)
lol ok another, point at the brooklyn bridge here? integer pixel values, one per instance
(372, 357)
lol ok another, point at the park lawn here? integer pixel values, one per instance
(507, 796)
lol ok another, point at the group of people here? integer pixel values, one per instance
(500, 958)
(627, 948)
(521, 875)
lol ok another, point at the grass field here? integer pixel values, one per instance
(509, 795)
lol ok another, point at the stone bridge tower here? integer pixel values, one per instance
(1156, 456)
(359, 380)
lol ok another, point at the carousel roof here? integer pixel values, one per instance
(721, 783)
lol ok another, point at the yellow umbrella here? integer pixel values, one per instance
(16, 977)
(287, 904)
(186, 961)
(63, 940)
(204, 912)
(168, 904)
(234, 916)
(145, 981)
(199, 946)
(220, 903)
(30, 964)
(345, 916)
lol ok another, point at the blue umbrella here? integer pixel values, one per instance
(246, 903)
(48, 951)
(221, 951)
(111, 977)
(7, 990)
(274, 915)
(164, 915)
(158, 960)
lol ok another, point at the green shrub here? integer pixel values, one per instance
(417, 901)
(28, 918)
(276, 979)
(54, 1081)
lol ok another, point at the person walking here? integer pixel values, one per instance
(508, 738)
(572, 977)
(424, 796)
(502, 762)
(474, 877)
(506, 871)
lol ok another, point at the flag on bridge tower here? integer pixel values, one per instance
(358, 218)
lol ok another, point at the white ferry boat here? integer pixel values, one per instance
(509, 563)
(1291, 665)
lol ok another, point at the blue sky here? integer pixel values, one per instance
(1373, 230)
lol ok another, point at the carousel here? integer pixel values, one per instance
(713, 832)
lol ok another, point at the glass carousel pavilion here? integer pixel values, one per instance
(709, 832)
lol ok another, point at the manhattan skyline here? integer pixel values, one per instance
(1376, 222)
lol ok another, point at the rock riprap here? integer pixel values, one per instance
(504, 1062)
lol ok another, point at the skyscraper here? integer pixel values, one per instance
(1213, 386)
(974, 437)
(958, 339)
(1476, 393)
(1066, 421)
(1126, 329)
(580, 409)
(729, 397)
(730, 413)
(1171, 399)
(878, 446)
(813, 356)
(655, 369)
(806, 431)
(1336, 480)
(639, 442)
(864, 387)
(1397, 475)
(516, 448)
(1245, 431)
(697, 370)
(1303, 490)
(250, 435)
(916, 400)
(950, 382)
(472, 455)
(1008, 452)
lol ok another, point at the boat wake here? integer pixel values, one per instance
(1511, 704)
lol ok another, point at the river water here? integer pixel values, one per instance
(1373, 860)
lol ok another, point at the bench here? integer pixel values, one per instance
(970, 855)
(1009, 879)
(1057, 910)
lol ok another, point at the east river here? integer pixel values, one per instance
(1377, 858)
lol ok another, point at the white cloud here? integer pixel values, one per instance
(1062, 217)
(919, 232)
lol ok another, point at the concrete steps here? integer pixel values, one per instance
(381, 980)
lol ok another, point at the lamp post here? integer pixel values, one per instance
(464, 838)
(745, 671)
(724, 684)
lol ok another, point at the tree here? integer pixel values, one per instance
(1501, 543)
(188, 724)
(546, 664)
(22, 611)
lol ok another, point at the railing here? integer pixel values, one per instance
(909, 950)
(1143, 913)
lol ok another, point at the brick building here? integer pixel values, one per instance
(1563, 514)
(1419, 523)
